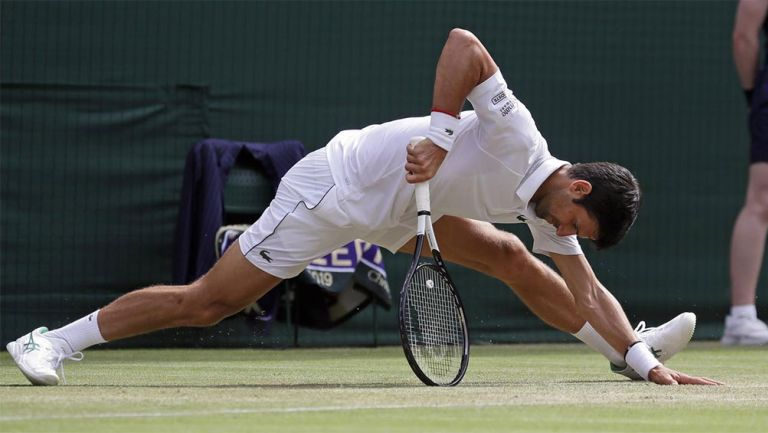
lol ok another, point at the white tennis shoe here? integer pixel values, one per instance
(744, 331)
(665, 340)
(40, 358)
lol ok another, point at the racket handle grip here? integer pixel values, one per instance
(422, 189)
(422, 196)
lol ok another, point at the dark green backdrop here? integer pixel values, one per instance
(102, 100)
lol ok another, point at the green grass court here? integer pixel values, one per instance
(525, 388)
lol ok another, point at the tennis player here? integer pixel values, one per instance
(486, 165)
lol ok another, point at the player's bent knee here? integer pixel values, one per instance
(206, 314)
(196, 307)
(209, 316)
(514, 261)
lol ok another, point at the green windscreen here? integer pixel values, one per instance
(101, 101)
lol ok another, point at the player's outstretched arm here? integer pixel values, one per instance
(666, 376)
(593, 301)
(598, 307)
(464, 63)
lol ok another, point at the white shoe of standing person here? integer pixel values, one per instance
(744, 331)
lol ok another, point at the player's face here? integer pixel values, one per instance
(568, 217)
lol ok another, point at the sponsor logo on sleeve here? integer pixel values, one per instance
(504, 102)
(508, 107)
(498, 98)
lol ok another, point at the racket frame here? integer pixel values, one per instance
(424, 228)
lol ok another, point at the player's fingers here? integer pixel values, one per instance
(667, 380)
(413, 168)
(708, 381)
(714, 382)
(419, 174)
(414, 178)
(684, 379)
(662, 376)
(413, 149)
(692, 380)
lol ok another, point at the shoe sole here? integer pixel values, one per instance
(690, 335)
(14, 349)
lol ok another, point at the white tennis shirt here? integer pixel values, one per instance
(497, 162)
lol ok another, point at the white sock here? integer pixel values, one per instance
(591, 338)
(81, 333)
(747, 311)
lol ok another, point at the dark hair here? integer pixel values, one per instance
(613, 202)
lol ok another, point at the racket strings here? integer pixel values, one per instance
(434, 321)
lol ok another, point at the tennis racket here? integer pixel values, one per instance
(433, 326)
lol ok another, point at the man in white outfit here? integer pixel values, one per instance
(487, 165)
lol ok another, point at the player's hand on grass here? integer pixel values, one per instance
(423, 160)
(662, 375)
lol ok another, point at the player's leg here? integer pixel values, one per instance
(747, 249)
(482, 247)
(232, 284)
(500, 254)
(503, 255)
(303, 222)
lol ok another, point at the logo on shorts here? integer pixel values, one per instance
(449, 131)
(522, 219)
(265, 255)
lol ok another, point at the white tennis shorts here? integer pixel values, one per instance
(303, 221)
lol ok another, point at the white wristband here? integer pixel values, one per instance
(442, 129)
(640, 358)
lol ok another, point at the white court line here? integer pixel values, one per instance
(236, 411)
(291, 410)
(288, 410)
